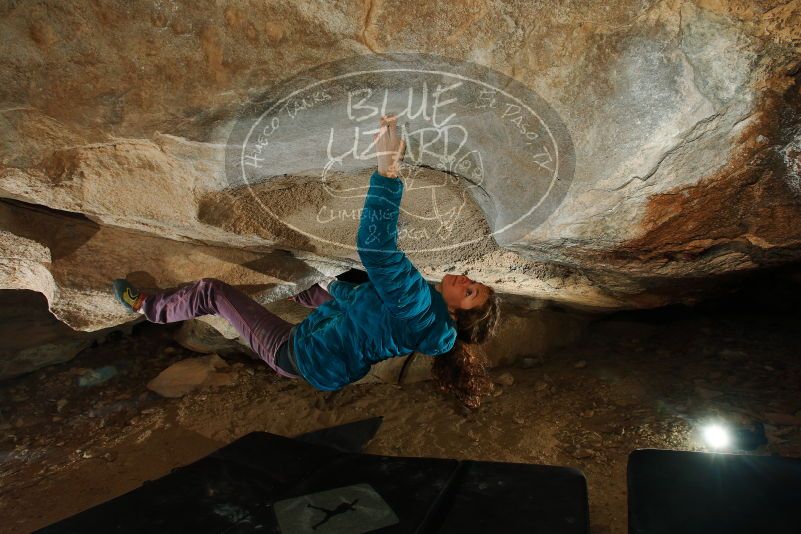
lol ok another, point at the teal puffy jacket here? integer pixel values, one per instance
(393, 314)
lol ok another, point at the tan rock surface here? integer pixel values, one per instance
(188, 375)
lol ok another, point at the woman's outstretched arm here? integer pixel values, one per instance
(399, 284)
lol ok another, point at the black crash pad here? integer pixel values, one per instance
(710, 493)
(272, 484)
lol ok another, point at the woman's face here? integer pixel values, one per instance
(460, 292)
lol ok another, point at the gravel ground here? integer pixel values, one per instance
(646, 379)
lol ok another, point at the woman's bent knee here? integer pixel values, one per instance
(212, 282)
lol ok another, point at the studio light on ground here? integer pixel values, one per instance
(716, 436)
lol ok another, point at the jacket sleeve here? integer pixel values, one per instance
(399, 284)
(339, 289)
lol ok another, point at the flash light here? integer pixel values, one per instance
(716, 436)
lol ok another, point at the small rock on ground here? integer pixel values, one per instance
(505, 379)
(191, 374)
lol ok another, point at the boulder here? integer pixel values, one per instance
(32, 336)
(684, 119)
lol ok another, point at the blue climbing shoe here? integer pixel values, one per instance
(128, 295)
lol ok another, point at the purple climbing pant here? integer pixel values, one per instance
(264, 331)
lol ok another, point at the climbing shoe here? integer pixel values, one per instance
(128, 295)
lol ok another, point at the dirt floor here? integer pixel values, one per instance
(637, 380)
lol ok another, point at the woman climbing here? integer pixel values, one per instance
(355, 326)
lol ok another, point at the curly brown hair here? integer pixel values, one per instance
(463, 369)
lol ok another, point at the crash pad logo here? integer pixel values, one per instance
(353, 509)
(486, 157)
